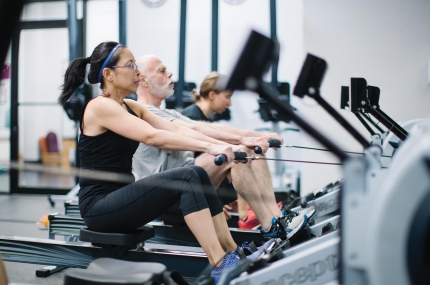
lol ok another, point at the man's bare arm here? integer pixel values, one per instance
(228, 137)
(242, 133)
(210, 132)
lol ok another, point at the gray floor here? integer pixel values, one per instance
(18, 217)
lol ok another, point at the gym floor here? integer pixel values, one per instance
(18, 217)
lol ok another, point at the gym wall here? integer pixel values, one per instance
(387, 43)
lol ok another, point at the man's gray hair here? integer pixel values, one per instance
(143, 62)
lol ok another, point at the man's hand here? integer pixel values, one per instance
(241, 148)
(251, 142)
(227, 214)
(268, 136)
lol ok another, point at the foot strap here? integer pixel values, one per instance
(168, 276)
(253, 246)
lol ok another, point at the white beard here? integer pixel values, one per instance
(160, 91)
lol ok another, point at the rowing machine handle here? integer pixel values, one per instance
(272, 143)
(238, 155)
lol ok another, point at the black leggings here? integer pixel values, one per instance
(144, 200)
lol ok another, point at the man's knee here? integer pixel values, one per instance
(200, 171)
(207, 162)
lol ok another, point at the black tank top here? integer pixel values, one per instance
(107, 152)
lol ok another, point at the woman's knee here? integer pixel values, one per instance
(201, 172)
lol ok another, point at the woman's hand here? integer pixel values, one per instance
(226, 209)
(227, 150)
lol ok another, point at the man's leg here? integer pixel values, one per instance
(263, 179)
(242, 208)
(246, 184)
(216, 173)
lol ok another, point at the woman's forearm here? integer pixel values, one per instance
(174, 141)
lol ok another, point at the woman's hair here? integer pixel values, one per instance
(209, 84)
(75, 73)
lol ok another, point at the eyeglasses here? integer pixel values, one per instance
(130, 66)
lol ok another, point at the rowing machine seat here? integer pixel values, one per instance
(109, 271)
(118, 243)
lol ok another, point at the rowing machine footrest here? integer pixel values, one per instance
(302, 236)
(108, 271)
(131, 238)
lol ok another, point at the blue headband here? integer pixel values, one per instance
(107, 60)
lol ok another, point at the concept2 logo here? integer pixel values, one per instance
(308, 273)
(328, 204)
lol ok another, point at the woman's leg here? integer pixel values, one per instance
(205, 234)
(215, 207)
(142, 201)
(3, 276)
(223, 233)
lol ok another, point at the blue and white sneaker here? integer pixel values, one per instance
(293, 222)
(229, 261)
(309, 212)
(277, 230)
(252, 252)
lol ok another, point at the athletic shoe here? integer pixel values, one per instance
(277, 230)
(309, 212)
(251, 222)
(251, 252)
(292, 222)
(229, 261)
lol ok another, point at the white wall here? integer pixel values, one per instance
(386, 42)
(102, 23)
(154, 31)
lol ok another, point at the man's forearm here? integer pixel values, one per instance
(192, 133)
(231, 130)
(207, 130)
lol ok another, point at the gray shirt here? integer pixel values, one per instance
(148, 160)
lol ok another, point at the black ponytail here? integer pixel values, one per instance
(74, 77)
(75, 74)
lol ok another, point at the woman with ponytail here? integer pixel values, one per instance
(208, 100)
(111, 129)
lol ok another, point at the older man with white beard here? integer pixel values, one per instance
(251, 180)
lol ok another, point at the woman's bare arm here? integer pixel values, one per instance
(104, 114)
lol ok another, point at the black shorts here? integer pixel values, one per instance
(226, 191)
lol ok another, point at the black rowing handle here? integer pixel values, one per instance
(238, 155)
(272, 143)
